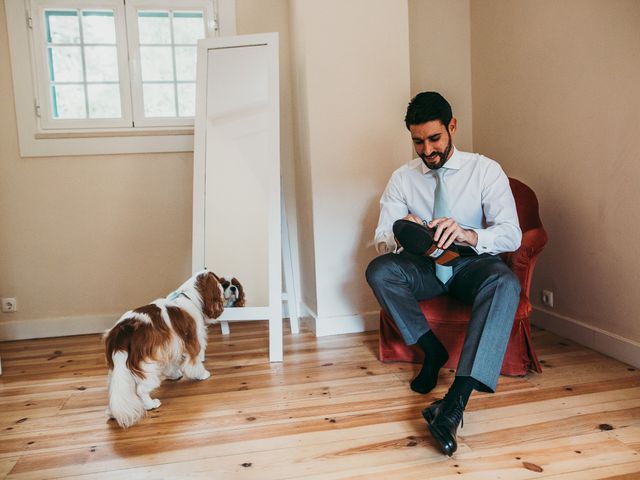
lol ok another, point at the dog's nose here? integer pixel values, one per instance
(233, 288)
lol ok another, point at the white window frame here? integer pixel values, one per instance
(47, 122)
(37, 141)
(133, 6)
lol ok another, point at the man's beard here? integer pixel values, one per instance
(444, 156)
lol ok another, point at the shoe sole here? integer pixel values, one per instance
(415, 238)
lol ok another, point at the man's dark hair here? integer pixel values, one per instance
(428, 106)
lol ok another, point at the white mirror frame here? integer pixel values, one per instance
(273, 311)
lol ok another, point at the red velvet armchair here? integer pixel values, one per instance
(449, 317)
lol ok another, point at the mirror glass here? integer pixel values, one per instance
(237, 168)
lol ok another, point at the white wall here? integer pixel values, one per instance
(351, 87)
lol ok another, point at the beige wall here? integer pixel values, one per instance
(556, 100)
(90, 237)
(351, 63)
(440, 46)
(86, 237)
(83, 239)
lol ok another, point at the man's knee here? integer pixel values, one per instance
(379, 270)
(504, 278)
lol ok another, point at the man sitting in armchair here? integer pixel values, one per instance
(466, 198)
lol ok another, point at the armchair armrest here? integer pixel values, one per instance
(524, 259)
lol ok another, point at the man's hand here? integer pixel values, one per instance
(413, 218)
(448, 231)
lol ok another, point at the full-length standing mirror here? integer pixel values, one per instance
(236, 211)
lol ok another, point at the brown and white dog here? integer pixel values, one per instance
(165, 339)
(233, 292)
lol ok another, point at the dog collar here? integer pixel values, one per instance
(177, 293)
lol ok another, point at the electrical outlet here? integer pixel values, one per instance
(9, 305)
(547, 298)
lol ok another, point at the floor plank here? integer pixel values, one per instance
(330, 411)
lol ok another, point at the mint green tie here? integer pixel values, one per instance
(441, 209)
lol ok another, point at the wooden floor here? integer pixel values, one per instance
(330, 411)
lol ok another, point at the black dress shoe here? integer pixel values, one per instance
(413, 237)
(444, 425)
(432, 410)
(418, 240)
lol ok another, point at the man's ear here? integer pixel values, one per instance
(453, 125)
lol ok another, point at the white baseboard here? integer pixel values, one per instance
(65, 326)
(608, 343)
(56, 327)
(324, 326)
(308, 315)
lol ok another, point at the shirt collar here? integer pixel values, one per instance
(454, 162)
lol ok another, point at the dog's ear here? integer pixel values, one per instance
(241, 300)
(210, 290)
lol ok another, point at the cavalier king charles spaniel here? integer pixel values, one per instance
(165, 339)
(233, 292)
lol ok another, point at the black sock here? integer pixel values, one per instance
(462, 387)
(435, 356)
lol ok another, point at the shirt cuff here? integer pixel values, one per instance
(386, 244)
(485, 241)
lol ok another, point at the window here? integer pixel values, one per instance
(81, 65)
(101, 64)
(167, 50)
(110, 68)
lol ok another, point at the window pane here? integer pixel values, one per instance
(156, 63)
(62, 26)
(159, 100)
(98, 27)
(154, 27)
(104, 101)
(65, 64)
(68, 101)
(162, 66)
(101, 64)
(187, 99)
(186, 63)
(188, 27)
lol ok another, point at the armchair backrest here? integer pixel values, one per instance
(526, 204)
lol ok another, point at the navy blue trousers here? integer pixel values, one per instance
(399, 281)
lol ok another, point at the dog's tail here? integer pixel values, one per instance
(124, 404)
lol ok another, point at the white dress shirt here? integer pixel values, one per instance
(479, 199)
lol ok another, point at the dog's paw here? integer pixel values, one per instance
(107, 413)
(206, 374)
(174, 376)
(154, 403)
